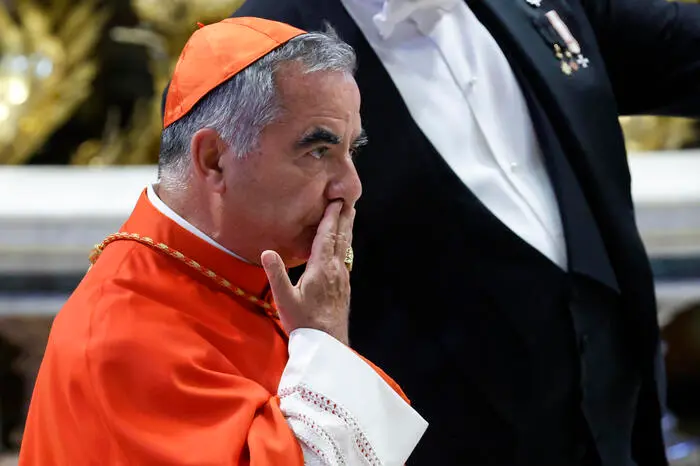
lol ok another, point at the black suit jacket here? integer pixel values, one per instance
(428, 305)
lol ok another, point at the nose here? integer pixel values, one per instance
(346, 183)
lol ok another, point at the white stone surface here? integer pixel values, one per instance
(51, 217)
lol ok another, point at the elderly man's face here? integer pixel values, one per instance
(303, 163)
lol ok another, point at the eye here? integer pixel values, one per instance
(319, 152)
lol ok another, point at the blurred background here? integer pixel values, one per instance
(80, 94)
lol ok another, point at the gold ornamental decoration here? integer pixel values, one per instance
(269, 309)
(164, 28)
(46, 69)
(651, 133)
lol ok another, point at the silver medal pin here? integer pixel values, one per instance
(572, 45)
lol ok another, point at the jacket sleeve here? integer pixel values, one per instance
(652, 52)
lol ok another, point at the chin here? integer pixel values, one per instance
(298, 257)
(294, 261)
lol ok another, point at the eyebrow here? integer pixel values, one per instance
(316, 136)
(361, 140)
(322, 135)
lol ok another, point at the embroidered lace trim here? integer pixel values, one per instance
(323, 403)
(311, 425)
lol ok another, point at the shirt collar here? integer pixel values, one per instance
(164, 209)
(148, 221)
(425, 13)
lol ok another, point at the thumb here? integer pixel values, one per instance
(280, 284)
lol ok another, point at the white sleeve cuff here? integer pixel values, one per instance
(340, 408)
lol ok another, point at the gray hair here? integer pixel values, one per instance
(240, 108)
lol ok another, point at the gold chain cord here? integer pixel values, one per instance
(164, 248)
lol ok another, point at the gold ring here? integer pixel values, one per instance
(349, 257)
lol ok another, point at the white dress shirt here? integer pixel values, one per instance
(369, 423)
(463, 95)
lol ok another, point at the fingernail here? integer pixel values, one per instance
(266, 258)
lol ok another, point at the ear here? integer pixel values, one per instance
(206, 150)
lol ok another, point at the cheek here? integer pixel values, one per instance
(308, 203)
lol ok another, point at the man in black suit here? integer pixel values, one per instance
(499, 274)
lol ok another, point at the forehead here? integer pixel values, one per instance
(321, 93)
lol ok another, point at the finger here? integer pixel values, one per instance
(345, 223)
(280, 284)
(324, 242)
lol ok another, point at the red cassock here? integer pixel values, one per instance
(152, 362)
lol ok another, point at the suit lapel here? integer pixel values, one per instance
(581, 106)
(513, 23)
(582, 103)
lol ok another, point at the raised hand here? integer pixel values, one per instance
(321, 298)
